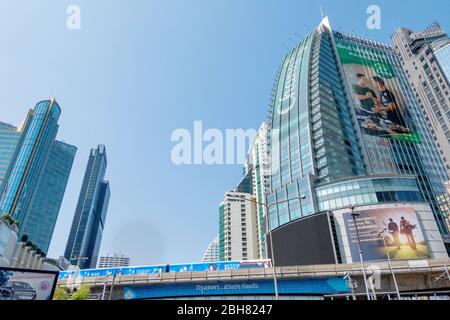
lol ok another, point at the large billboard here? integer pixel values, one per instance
(306, 241)
(393, 230)
(380, 104)
(20, 284)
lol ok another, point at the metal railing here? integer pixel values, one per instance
(333, 270)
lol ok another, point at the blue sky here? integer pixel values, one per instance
(137, 70)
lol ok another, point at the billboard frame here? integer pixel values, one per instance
(55, 273)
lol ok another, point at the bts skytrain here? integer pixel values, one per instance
(157, 269)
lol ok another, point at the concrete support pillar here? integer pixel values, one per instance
(18, 252)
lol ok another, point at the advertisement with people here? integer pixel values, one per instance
(17, 284)
(381, 231)
(380, 105)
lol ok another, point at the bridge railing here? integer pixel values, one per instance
(262, 273)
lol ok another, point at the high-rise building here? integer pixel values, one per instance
(347, 136)
(9, 139)
(37, 174)
(45, 203)
(212, 252)
(86, 232)
(425, 57)
(257, 165)
(238, 236)
(113, 261)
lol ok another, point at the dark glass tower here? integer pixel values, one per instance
(346, 131)
(37, 174)
(87, 227)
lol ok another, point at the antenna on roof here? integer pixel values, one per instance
(321, 12)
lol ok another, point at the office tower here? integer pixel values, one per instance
(86, 232)
(37, 174)
(212, 252)
(9, 139)
(425, 57)
(114, 261)
(40, 220)
(347, 137)
(257, 165)
(238, 236)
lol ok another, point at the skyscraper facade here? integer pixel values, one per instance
(45, 203)
(242, 230)
(212, 252)
(87, 227)
(113, 261)
(238, 227)
(37, 174)
(257, 165)
(347, 136)
(425, 57)
(9, 139)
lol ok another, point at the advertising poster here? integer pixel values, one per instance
(17, 284)
(399, 227)
(379, 103)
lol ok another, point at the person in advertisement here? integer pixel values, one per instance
(378, 113)
(366, 96)
(407, 228)
(394, 231)
(389, 109)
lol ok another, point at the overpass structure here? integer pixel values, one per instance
(414, 278)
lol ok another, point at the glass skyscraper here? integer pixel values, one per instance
(46, 202)
(37, 173)
(346, 131)
(9, 139)
(86, 232)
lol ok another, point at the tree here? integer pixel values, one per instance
(82, 293)
(10, 220)
(61, 293)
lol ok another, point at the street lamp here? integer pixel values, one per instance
(79, 259)
(269, 232)
(354, 216)
(348, 277)
(381, 235)
(113, 281)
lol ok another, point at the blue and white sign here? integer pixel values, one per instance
(316, 286)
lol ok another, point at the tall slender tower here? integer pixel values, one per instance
(37, 174)
(87, 227)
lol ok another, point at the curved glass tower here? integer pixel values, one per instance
(346, 131)
(38, 169)
(41, 126)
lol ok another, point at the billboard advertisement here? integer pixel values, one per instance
(391, 230)
(380, 104)
(19, 284)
